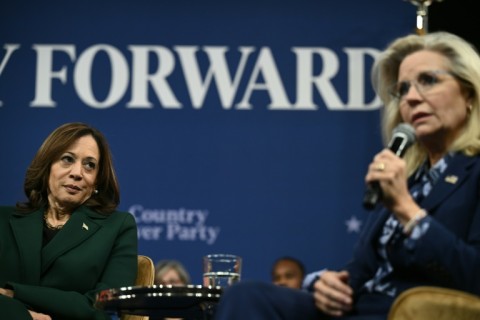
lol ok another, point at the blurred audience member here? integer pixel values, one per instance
(171, 272)
(288, 272)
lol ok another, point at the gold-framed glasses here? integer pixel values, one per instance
(424, 82)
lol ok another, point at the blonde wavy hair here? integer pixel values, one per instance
(464, 65)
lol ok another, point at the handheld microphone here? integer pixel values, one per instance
(403, 136)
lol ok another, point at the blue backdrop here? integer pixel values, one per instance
(241, 127)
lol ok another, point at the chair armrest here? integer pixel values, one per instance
(435, 303)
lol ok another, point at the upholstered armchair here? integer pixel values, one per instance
(435, 303)
(145, 277)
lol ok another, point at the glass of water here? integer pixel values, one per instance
(221, 270)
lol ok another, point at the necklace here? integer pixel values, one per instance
(50, 226)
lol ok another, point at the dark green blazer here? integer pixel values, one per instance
(91, 252)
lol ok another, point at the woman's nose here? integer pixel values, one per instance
(76, 171)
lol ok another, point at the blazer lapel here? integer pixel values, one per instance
(79, 228)
(27, 231)
(456, 173)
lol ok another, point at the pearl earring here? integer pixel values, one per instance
(469, 109)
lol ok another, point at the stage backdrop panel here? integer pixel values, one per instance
(241, 127)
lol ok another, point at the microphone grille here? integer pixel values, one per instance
(407, 130)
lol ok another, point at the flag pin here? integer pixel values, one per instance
(451, 179)
(84, 226)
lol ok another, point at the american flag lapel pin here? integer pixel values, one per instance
(84, 226)
(451, 179)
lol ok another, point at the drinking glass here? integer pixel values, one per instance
(221, 270)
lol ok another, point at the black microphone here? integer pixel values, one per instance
(403, 136)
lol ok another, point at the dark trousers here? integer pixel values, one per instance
(265, 301)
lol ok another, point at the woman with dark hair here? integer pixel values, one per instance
(67, 241)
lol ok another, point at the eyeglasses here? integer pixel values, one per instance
(424, 82)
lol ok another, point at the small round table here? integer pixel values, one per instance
(191, 302)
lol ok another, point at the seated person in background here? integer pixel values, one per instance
(171, 272)
(425, 231)
(67, 242)
(288, 272)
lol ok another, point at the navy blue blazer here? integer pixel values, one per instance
(448, 254)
